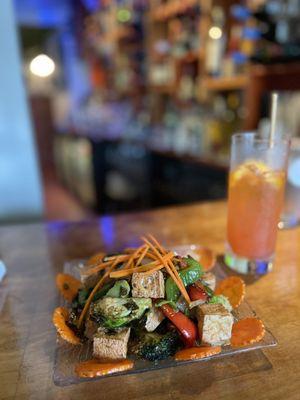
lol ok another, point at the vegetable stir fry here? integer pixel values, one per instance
(149, 303)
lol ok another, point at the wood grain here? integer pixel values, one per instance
(35, 253)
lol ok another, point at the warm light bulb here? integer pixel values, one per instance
(215, 32)
(123, 15)
(42, 66)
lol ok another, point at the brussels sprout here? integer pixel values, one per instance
(114, 312)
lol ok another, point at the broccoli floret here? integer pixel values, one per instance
(154, 346)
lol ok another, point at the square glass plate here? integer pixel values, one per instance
(3, 294)
(67, 355)
(3, 284)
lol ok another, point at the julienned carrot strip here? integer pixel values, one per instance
(138, 254)
(98, 285)
(171, 270)
(124, 272)
(155, 251)
(162, 250)
(105, 264)
(130, 250)
(142, 256)
(185, 294)
(157, 262)
(157, 268)
(179, 283)
(153, 266)
(133, 256)
(129, 271)
(166, 257)
(183, 289)
(168, 268)
(151, 256)
(122, 256)
(97, 268)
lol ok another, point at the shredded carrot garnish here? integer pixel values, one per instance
(169, 267)
(153, 266)
(158, 245)
(166, 257)
(169, 270)
(129, 271)
(184, 293)
(97, 287)
(150, 255)
(142, 256)
(155, 241)
(121, 257)
(179, 283)
(105, 264)
(151, 249)
(154, 269)
(97, 268)
(130, 250)
(133, 256)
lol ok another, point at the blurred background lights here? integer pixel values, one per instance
(215, 32)
(42, 66)
(123, 15)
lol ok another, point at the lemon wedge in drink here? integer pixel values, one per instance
(259, 170)
(275, 178)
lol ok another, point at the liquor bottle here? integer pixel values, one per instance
(215, 47)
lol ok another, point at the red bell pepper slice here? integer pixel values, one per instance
(184, 325)
(197, 293)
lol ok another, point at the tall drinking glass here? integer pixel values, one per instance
(255, 198)
(291, 209)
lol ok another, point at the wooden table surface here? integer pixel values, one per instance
(35, 253)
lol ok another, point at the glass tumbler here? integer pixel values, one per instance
(291, 209)
(255, 199)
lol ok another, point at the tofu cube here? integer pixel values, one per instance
(209, 280)
(88, 278)
(111, 346)
(148, 285)
(214, 324)
(154, 318)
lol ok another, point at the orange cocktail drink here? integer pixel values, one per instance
(255, 199)
(254, 205)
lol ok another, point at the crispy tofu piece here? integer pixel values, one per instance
(148, 285)
(154, 318)
(209, 279)
(214, 324)
(111, 346)
(87, 278)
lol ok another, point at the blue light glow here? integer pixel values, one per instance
(92, 5)
(43, 13)
(107, 230)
